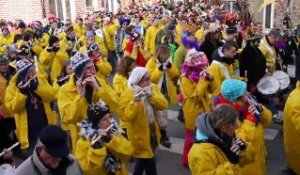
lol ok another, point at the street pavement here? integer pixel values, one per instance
(169, 160)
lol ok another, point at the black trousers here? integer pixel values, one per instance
(147, 165)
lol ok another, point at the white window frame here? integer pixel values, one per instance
(271, 20)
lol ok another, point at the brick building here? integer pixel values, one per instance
(38, 9)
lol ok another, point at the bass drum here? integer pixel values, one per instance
(283, 79)
(268, 85)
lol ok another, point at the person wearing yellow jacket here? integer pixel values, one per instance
(127, 64)
(28, 97)
(138, 104)
(195, 86)
(109, 153)
(267, 49)
(103, 68)
(217, 151)
(221, 67)
(6, 38)
(109, 29)
(83, 88)
(91, 37)
(79, 28)
(254, 118)
(291, 130)
(150, 36)
(165, 76)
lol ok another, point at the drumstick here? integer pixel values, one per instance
(10, 148)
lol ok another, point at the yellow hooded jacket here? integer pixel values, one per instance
(73, 107)
(208, 159)
(268, 52)
(172, 75)
(92, 160)
(291, 126)
(15, 102)
(150, 39)
(138, 130)
(196, 99)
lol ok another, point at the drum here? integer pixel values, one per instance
(283, 79)
(291, 70)
(6, 169)
(268, 85)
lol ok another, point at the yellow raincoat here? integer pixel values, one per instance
(15, 102)
(219, 75)
(172, 75)
(80, 31)
(208, 159)
(119, 84)
(109, 33)
(138, 130)
(268, 52)
(196, 99)
(73, 108)
(291, 126)
(100, 43)
(4, 112)
(150, 39)
(92, 160)
(255, 135)
(103, 69)
(39, 45)
(5, 41)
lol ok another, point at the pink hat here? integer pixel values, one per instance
(195, 58)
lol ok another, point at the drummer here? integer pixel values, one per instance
(268, 50)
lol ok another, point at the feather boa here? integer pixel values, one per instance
(192, 72)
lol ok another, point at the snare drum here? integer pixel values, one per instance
(283, 79)
(268, 85)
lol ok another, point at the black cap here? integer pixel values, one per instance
(231, 30)
(22, 25)
(55, 141)
(52, 40)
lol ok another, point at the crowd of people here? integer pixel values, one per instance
(87, 96)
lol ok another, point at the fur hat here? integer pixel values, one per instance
(4, 60)
(193, 53)
(136, 75)
(78, 63)
(96, 112)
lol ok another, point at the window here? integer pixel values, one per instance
(89, 4)
(268, 17)
(68, 9)
(56, 8)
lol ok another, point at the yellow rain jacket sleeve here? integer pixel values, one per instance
(103, 68)
(102, 46)
(150, 39)
(4, 112)
(119, 84)
(80, 31)
(157, 75)
(16, 104)
(196, 99)
(138, 130)
(92, 160)
(109, 32)
(254, 134)
(60, 59)
(291, 126)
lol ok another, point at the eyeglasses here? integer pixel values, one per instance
(94, 47)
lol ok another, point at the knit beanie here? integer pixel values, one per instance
(22, 67)
(124, 20)
(96, 112)
(136, 75)
(78, 63)
(4, 60)
(232, 89)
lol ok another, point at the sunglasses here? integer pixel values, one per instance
(93, 47)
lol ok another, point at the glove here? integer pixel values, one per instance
(169, 65)
(235, 148)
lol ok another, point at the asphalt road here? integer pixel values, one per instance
(169, 160)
